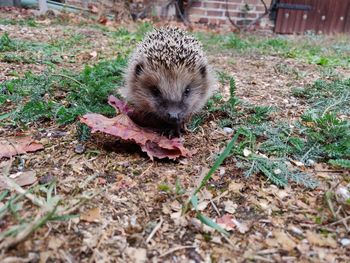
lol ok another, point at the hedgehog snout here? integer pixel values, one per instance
(174, 115)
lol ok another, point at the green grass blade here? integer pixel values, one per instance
(218, 162)
(211, 223)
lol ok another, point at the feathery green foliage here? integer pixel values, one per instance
(84, 92)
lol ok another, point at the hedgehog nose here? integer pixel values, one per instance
(173, 116)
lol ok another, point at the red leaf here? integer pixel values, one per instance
(19, 145)
(124, 128)
(226, 222)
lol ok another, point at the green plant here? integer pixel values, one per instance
(64, 96)
(6, 43)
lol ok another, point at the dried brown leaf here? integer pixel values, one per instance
(124, 128)
(18, 145)
(318, 240)
(21, 178)
(226, 222)
(92, 215)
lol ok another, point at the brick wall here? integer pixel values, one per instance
(241, 12)
(207, 12)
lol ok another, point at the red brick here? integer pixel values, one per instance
(252, 2)
(214, 13)
(203, 20)
(230, 6)
(232, 14)
(214, 21)
(260, 8)
(197, 11)
(252, 15)
(194, 19)
(196, 4)
(212, 5)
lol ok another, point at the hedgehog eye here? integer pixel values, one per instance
(203, 71)
(138, 69)
(155, 92)
(187, 91)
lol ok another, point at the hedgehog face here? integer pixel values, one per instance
(168, 76)
(171, 94)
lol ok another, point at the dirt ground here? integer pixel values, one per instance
(131, 218)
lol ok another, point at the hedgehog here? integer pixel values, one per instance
(168, 79)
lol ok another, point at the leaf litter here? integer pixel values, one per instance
(18, 145)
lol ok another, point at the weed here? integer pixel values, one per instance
(164, 188)
(41, 96)
(7, 44)
(14, 58)
(325, 96)
(327, 135)
(235, 42)
(22, 22)
(342, 163)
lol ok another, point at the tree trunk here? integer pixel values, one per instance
(17, 3)
(42, 7)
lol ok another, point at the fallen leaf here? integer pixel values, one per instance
(235, 187)
(241, 227)
(124, 128)
(137, 255)
(226, 222)
(18, 145)
(45, 22)
(318, 240)
(93, 54)
(230, 207)
(21, 178)
(93, 8)
(286, 242)
(103, 20)
(92, 215)
(55, 243)
(202, 205)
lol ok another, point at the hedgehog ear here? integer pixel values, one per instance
(138, 69)
(203, 71)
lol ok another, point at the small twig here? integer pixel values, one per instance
(228, 240)
(68, 77)
(230, 19)
(261, 259)
(334, 104)
(83, 199)
(268, 251)
(155, 229)
(83, 184)
(267, 11)
(340, 221)
(30, 258)
(66, 257)
(215, 207)
(174, 250)
(147, 169)
(330, 204)
(183, 18)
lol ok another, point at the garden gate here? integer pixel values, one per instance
(318, 16)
